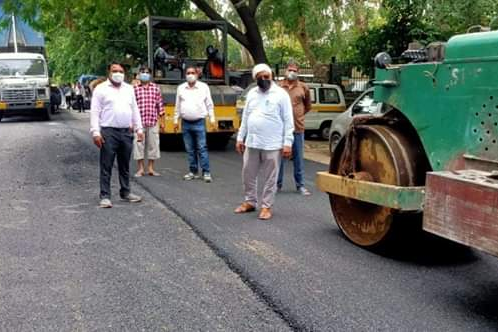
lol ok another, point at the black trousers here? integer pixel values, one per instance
(118, 142)
(81, 103)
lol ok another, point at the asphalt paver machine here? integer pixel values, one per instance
(169, 75)
(433, 154)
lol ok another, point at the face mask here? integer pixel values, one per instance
(117, 77)
(264, 84)
(292, 76)
(191, 78)
(144, 77)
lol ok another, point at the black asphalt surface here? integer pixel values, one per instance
(301, 272)
(67, 265)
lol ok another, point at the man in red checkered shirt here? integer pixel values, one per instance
(150, 104)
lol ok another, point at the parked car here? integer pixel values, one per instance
(364, 104)
(327, 104)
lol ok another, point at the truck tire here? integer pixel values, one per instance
(218, 141)
(46, 114)
(1, 116)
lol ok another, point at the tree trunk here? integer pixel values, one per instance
(251, 39)
(303, 38)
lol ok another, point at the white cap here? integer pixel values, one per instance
(262, 67)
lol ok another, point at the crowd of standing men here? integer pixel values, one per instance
(125, 121)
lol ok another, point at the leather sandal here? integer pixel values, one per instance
(245, 207)
(265, 214)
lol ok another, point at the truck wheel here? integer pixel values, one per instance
(46, 114)
(218, 141)
(325, 130)
(380, 154)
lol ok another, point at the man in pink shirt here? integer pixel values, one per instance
(113, 119)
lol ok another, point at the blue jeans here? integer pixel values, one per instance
(298, 160)
(194, 137)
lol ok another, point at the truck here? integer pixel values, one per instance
(186, 35)
(24, 79)
(429, 160)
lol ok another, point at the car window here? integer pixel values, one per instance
(313, 95)
(329, 96)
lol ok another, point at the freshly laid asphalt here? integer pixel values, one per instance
(67, 265)
(182, 260)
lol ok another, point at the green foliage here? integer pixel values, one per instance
(418, 20)
(83, 36)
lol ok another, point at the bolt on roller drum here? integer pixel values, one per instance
(374, 153)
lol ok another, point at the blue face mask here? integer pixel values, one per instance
(144, 77)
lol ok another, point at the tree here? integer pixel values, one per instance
(83, 36)
(250, 36)
(424, 21)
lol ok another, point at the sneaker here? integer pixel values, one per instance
(303, 191)
(132, 198)
(207, 177)
(105, 203)
(190, 176)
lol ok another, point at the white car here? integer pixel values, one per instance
(364, 104)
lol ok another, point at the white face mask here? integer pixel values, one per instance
(292, 75)
(191, 78)
(117, 77)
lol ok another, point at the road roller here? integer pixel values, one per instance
(432, 154)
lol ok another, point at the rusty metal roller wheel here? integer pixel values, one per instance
(381, 154)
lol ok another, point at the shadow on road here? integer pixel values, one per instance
(480, 299)
(430, 250)
(421, 248)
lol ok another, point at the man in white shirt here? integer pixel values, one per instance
(265, 135)
(113, 119)
(193, 105)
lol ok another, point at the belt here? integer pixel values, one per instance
(127, 129)
(193, 121)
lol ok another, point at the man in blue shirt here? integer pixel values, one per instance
(265, 136)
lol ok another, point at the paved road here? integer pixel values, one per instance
(66, 265)
(299, 264)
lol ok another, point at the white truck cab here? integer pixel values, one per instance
(24, 84)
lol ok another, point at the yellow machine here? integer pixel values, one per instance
(170, 74)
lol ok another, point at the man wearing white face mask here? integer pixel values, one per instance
(193, 105)
(114, 117)
(150, 104)
(301, 104)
